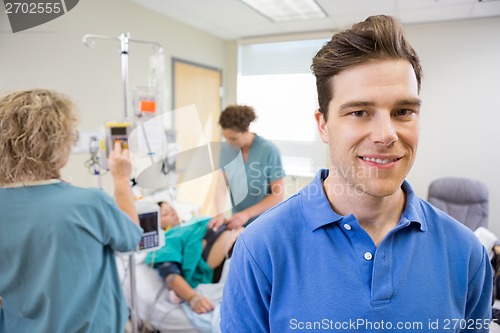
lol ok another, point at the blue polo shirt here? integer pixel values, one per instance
(300, 267)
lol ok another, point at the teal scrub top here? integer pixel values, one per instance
(262, 167)
(57, 263)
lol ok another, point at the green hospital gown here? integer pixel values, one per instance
(183, 245)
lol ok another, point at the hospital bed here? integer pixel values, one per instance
(153, 303)
(157, 311)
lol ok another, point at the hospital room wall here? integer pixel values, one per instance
(460, 114)
(53, 56)
(460, 111)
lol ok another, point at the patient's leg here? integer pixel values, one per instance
(222, 244)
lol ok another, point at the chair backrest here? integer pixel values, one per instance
(464, 199)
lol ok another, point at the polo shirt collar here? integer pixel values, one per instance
(315, 205)
(413, 212)
(318, 212)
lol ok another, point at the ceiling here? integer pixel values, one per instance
(232, 19)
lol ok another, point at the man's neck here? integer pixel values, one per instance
(377, 215)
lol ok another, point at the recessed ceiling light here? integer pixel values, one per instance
(287, 10)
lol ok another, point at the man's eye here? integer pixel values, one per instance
(358, 113)
(404, 112)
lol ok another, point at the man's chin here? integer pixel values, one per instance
(380, 187)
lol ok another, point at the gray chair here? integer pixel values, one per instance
(464, 199)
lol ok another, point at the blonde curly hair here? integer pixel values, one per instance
(37, 131)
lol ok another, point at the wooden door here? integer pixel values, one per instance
(201, 86)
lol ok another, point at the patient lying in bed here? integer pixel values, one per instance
(156, 305)
(189, 257)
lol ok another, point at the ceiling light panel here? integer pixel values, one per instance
(287, 10)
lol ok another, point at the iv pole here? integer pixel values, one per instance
(124, 39)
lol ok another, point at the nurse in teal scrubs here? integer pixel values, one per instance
(263, 169)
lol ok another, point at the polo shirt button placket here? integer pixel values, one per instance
(347, 226)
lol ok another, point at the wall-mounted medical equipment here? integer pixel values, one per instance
(111, 132)
(116, 131)
(146, 102)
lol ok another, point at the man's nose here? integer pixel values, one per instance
(384, 130)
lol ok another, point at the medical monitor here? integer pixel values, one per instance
(150, 221)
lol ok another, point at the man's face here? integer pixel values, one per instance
(372, 128)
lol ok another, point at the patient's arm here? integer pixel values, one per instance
(221, 247)
(198, 303)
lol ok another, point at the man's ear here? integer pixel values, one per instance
(322, 128)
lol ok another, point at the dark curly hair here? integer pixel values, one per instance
(237, 117)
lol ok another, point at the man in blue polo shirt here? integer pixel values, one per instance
(357, 250)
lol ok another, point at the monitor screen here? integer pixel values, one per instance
(150, 238)
(149, 221)
(119, 130)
